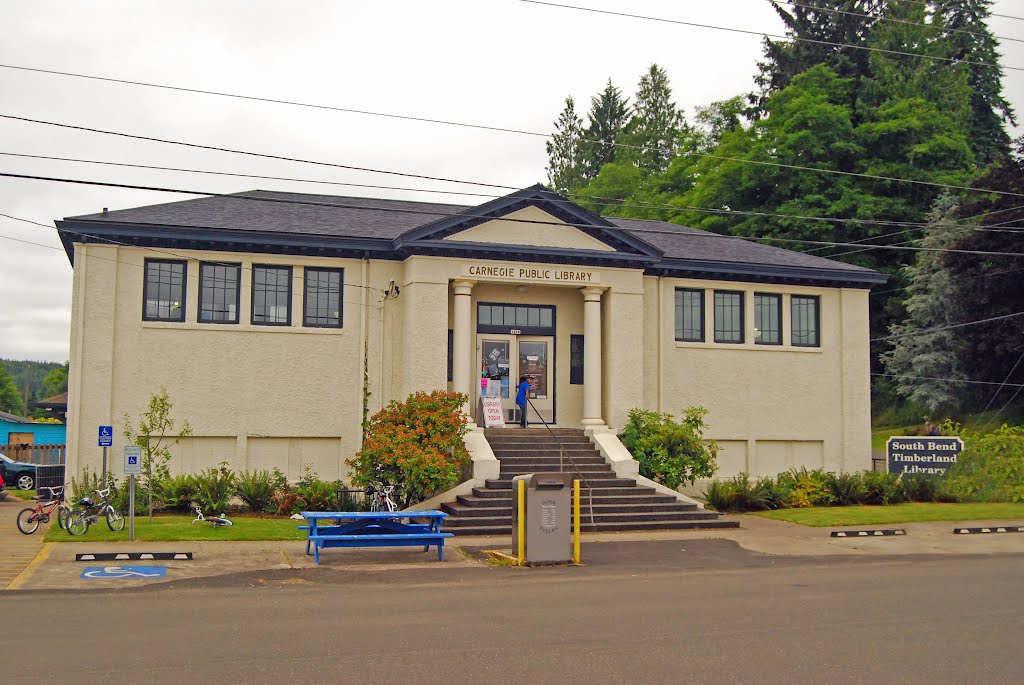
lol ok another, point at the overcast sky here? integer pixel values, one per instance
(501, 63)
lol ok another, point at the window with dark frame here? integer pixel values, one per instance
(163, 290)
(767, 319)
(806, 320)
(272, 295)
(728, 316)
(322, 299)
(576, 360)
(218, 293)
(689, 315)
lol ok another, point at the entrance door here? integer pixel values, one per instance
(504, 358)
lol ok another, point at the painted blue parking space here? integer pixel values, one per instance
(124, 572)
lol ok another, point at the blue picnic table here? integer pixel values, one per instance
(374, 529)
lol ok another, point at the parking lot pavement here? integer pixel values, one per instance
(756, 541)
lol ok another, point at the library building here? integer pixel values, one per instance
(271, 318)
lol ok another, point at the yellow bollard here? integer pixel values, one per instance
(522, 521)
(576, 522)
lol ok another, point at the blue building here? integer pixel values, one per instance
(18, 430)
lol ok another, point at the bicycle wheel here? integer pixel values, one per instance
(79, 523)
(63, 514)
(115, 521)
(28, 522)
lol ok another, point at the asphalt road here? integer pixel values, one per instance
(694, 612)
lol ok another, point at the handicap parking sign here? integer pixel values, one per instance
(106, 436)
(124, 572)
(132, 460)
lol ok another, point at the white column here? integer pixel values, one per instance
(462, 349)
(592, 356)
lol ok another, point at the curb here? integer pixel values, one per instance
(39, 558)
(991, 529)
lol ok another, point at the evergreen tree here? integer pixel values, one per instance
(923, 361)
(10, 398)
(652, 133)
(565, 152)
(834, 23)
(966, 28)
(609, 112)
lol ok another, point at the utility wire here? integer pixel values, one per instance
(946, 328)
(769, 35)
(949, 380)
(890, 19)
(469, 215)
(991, 14)
(479, 183)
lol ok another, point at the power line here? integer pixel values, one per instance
(949, 380)
(468, 215)
(769, 35)
(480, 183)
(946, 328)
(992, 14)
(895, 21)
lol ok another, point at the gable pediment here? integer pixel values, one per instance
(533, 220)
(530, 226)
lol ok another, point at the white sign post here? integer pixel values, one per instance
(132, 468)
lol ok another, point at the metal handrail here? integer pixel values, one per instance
(561, 461)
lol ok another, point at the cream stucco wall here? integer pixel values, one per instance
(291, 397)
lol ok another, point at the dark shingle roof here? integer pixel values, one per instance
(300, 214)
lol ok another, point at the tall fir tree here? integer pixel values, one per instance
(609, 112)
(965, 23)
(923, 363)
(651, 136)
(565, 151)
(10, 398)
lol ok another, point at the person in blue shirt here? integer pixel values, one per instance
(521, 395)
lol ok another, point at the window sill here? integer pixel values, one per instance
(241, 328)
(748, 347)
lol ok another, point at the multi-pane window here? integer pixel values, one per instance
(576, 360)
(272, 295)
(218, 293)
(499, 318)
(163, 293)
(689, 315)
(806, 320)
(728, 316)
(322, 302)
(767, 319)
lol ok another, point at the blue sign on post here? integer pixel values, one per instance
(922, 454)
(106, 436)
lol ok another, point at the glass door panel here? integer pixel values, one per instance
(534, 363)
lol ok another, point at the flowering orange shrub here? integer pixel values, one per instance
(414, 445)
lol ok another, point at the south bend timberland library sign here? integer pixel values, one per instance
(268, 316)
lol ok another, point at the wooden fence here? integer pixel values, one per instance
(35, 454)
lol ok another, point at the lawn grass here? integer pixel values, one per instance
(909, 512)
(20, 494)
(181, 529)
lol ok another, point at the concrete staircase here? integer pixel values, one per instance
(618, 503)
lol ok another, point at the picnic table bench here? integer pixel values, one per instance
(374, 529)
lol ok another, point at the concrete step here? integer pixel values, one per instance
(625, 490)
(577, 470)
(566, 440)
(576, 459)
(506, 529)
(585, 517)
(588, 475)
(531, 431)
(526, 450)
(623, 511)
(506, 500)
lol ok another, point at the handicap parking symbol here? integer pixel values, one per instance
(124, 572)
(106, 436)
(133, 460)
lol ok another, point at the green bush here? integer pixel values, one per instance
(214, 488)
(739, 494)
(881, 487)
(989, 469)
(258, 488)
(415, 445)
(920, 487)
(807, 487)
(315, 494)
(670, 452)
(845, 488)
(176, 492)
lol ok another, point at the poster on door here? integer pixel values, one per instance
(493, 413)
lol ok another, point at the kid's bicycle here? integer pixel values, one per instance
(91, 511)
(29, 519)
(380, 497)
(215, 521)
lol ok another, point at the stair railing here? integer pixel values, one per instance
(561, 461)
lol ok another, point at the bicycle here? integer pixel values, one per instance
(29, 519)
(216, 521)
(380, 497)
(91, 511)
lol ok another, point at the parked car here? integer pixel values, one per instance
(17, 474)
